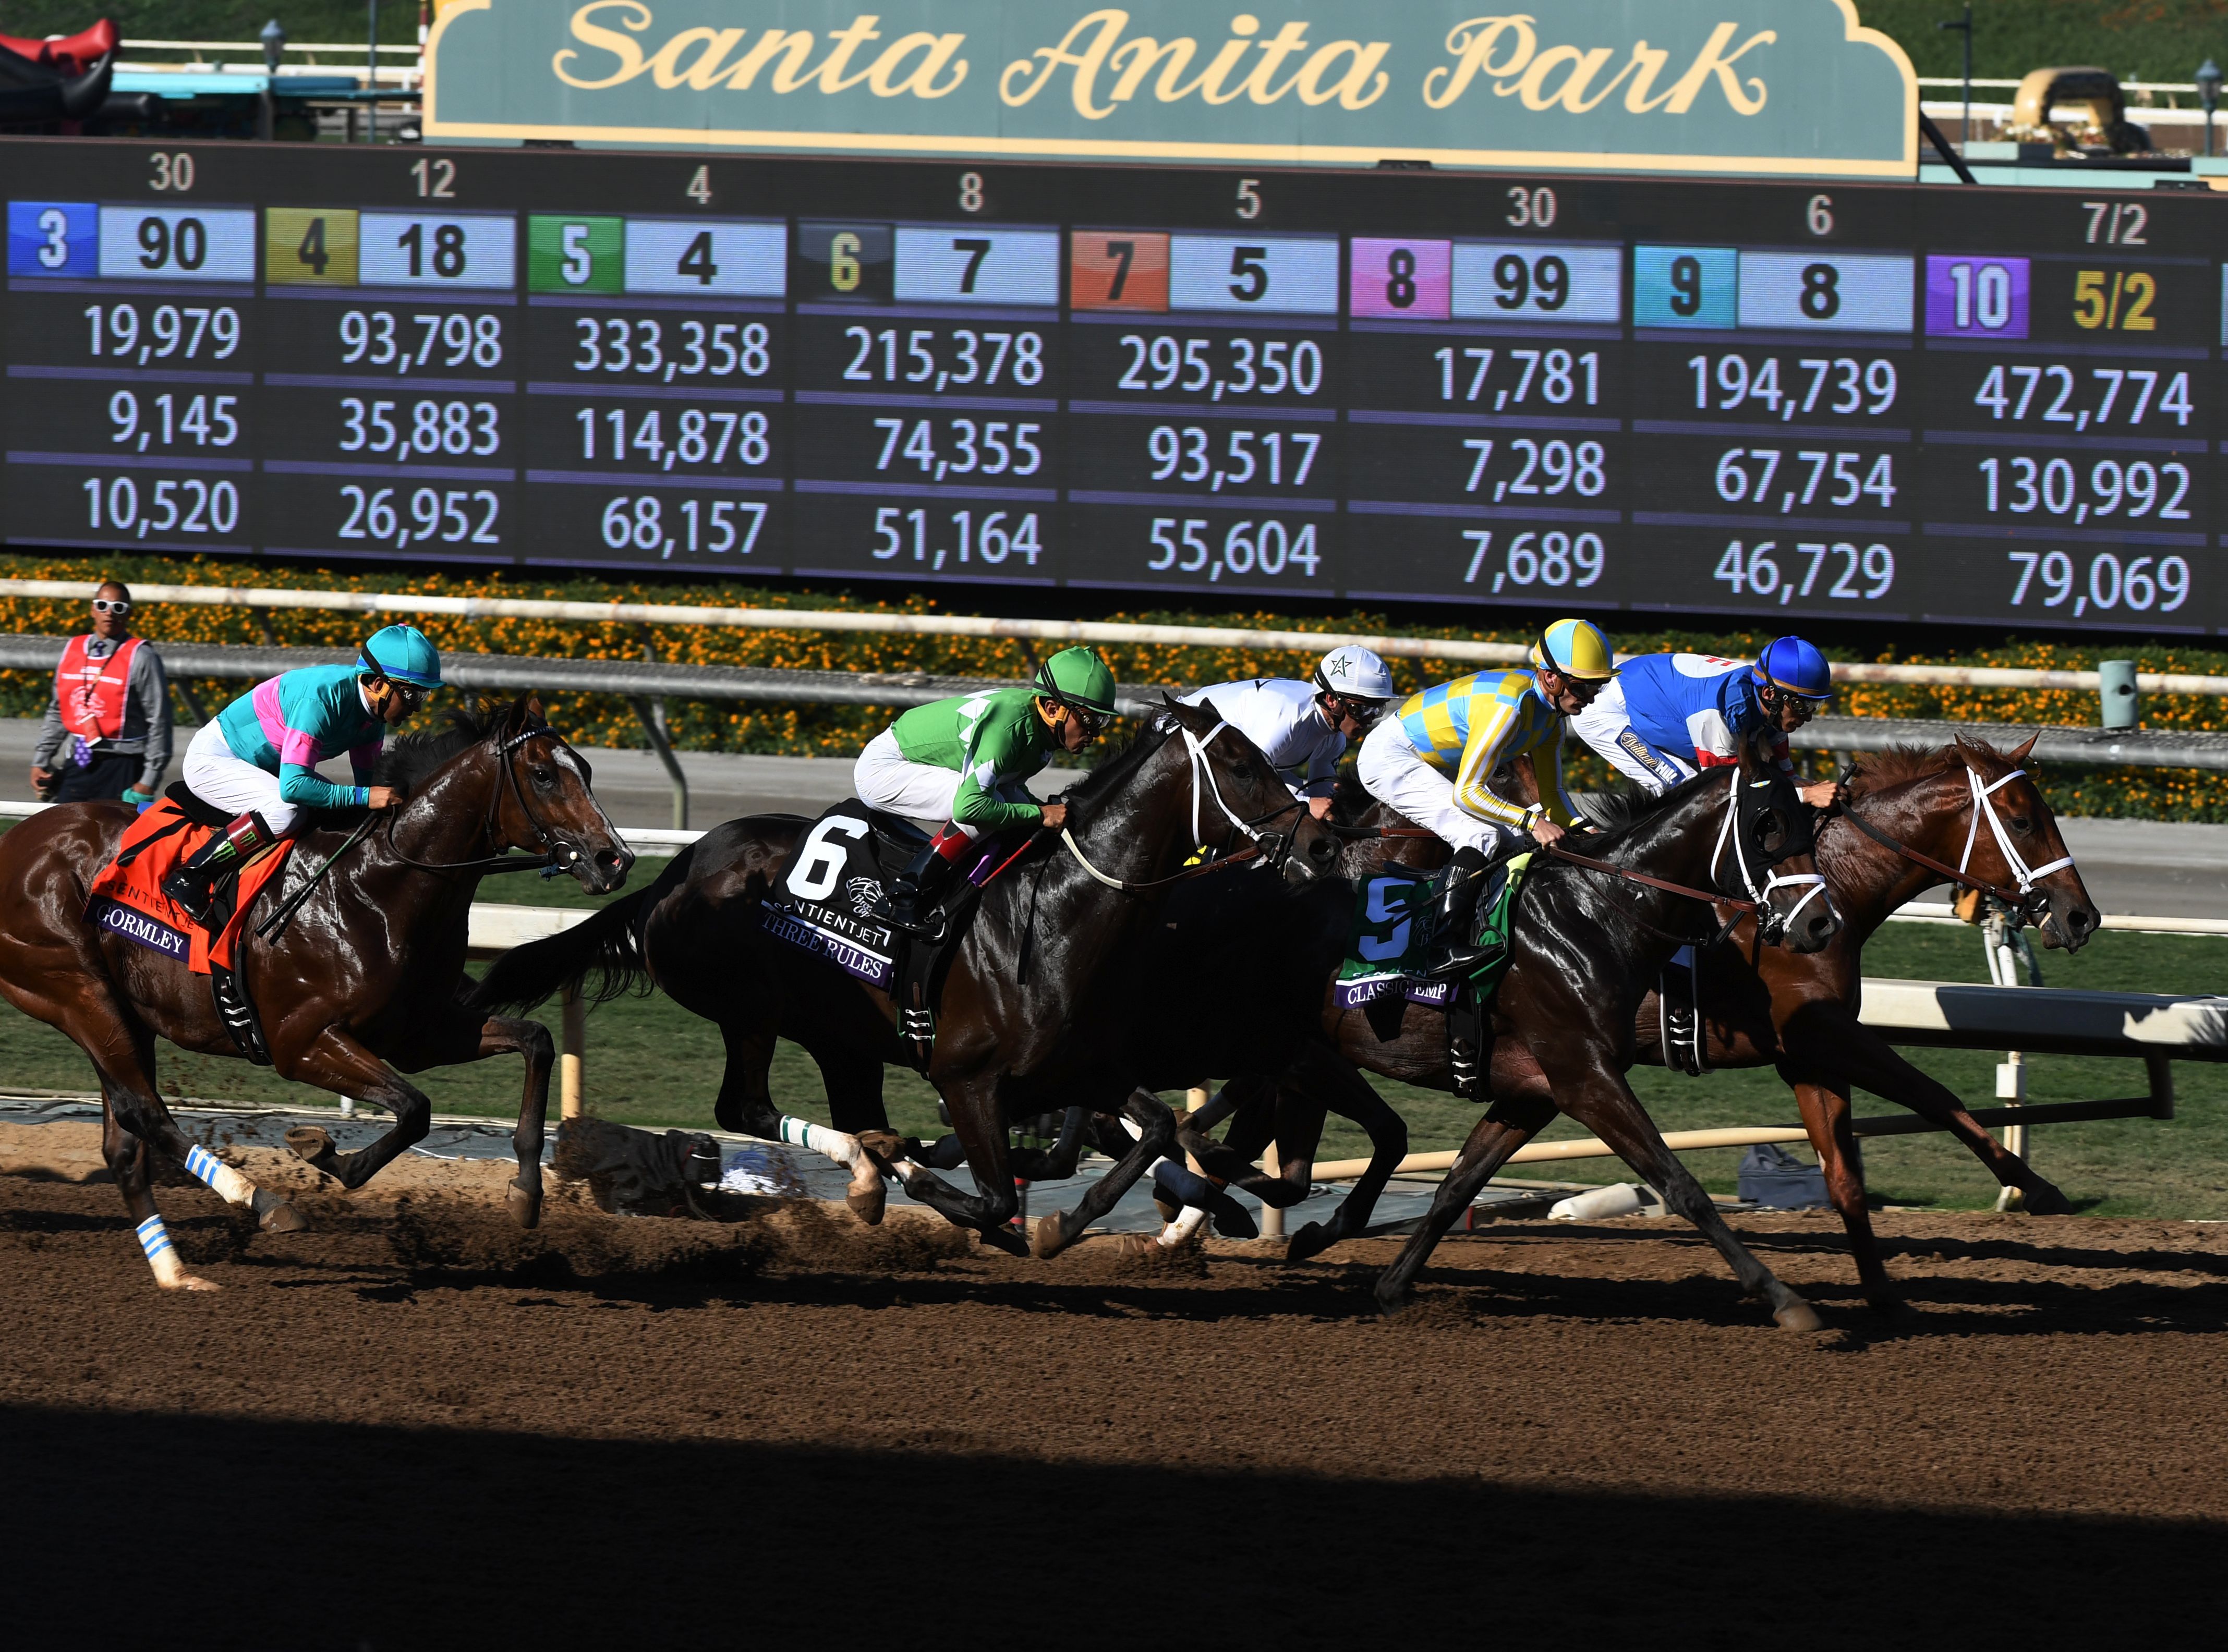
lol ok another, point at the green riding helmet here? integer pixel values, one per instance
(401, 653)
(1078, 679)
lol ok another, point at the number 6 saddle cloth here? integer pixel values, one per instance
(824, 899)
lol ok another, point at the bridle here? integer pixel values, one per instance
(2020, 901)
(556, 855)
(1273, 847)
(1771, 923)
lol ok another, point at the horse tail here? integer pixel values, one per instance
(610, 943)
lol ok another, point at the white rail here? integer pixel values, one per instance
(1055, 630)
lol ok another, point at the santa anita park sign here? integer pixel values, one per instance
(1761, 87)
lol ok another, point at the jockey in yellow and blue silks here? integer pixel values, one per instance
(258, 757)
(1434, 758)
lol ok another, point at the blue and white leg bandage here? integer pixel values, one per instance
(155, 1239)
(228, 1183)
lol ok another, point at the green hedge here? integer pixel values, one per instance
(827, 731)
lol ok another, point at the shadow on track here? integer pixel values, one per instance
(645, 1543)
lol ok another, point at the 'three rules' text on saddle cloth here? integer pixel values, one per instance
(823, 899)
(126, 896)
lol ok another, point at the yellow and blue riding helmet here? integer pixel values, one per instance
(1576, 649)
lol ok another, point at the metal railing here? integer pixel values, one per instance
(1050, 630)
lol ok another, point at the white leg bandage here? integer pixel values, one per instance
(155, 1239)
(228, 1183)
(819, 1138)
(1185, 1224)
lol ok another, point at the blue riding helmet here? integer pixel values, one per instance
(1791, 665)
(401, 653)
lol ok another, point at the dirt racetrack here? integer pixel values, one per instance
(417, 1427)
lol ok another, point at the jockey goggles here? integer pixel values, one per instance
(111, 605)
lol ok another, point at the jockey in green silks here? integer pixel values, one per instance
(258, 756)
(967, 761)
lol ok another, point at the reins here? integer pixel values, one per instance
(271, 927)
(1707, 897)
(1202, 779)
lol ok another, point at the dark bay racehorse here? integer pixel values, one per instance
(1588, 946)
(1773, 1007)
(1038, 1008)
(365, 978)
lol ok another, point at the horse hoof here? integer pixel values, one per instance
(1310, 1242)
(282, 1218)
(1389, 1303)
(1136, 1245)
(2046, 1200)
(1798, 1316)
(866, 1200)
(1003, 1239)
(885, 1145)
(312, 1144)
(1049, 1237)
(191, 1282)
(524, 1205)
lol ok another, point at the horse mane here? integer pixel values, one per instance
(1626, 805)
(1112, 775)
(1898, 765)
(409, 762)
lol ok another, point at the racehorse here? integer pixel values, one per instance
(1967, 804)
(1592, 930)
(365, 976)
(1036, 1007)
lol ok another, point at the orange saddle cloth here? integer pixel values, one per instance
(126, 898)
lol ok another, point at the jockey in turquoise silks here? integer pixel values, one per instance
(258, 756)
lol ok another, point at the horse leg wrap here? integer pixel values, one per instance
(1186, 1223)
(819, 1138)
(227, 1182)
(155, 1239)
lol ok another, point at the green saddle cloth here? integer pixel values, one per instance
(1393, 939)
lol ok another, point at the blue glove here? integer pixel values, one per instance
(143, 800)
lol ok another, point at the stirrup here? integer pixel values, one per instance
(193, 891)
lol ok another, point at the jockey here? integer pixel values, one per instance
(1303, 727)
(1434, 761)
(1670, 716)
(967, 761)
(258, 756)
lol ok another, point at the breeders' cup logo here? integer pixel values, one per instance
(864, 893)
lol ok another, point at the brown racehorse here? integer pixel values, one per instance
(1765, 1006)
(366, 978)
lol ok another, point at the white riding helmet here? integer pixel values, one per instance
(1355, 673)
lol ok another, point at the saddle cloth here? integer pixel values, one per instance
(823, 899)
(126, 897)
(1393, 939)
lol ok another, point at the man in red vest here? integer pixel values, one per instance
(107, 729)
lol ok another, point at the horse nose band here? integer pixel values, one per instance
(1774, 923)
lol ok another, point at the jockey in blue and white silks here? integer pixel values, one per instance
(1670, 716)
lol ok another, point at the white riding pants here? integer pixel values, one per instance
(1392, 773)
(224, 780)
(922, 791)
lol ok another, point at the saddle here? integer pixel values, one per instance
(125, 897)
(1389, 953)
(825, 897)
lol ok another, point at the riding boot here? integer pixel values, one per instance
(1457, 913)
(911, 900)
(193, 886)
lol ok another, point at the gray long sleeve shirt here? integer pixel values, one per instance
(146, 717)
